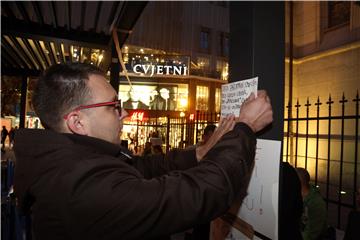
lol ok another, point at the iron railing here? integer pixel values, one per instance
(333, 161)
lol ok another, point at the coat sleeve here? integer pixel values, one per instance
(117, 202)
(157, 165)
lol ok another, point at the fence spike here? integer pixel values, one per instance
(329, 101)
(318, 101)
(357, 97)
(343, 100)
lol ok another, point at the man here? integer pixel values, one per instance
(4, 134)
(12, 136)
(79, 183)
(314, 213)
(208, 132)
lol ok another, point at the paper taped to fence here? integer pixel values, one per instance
(234, 94)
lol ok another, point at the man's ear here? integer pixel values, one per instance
(75, 123)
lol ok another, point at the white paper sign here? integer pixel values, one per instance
(234, 94)
(260, 206)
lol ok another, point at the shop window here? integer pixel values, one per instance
(338, 13)
(203, 62)
(222, 68)
(202, 98)
(224, 44)
(205, 40)
(217, 99)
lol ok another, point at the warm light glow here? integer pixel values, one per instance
(100, 57)
(182, 114)
(183, 102)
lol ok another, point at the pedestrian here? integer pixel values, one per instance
(4, 134)
(78, 182)
(314, 217)
(12, 136)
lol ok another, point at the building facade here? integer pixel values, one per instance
(322, 83)
(177, 59)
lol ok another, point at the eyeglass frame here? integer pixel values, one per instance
(116, 104)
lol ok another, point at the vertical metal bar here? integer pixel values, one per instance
(167, 133)
(297, 131)
(328, 154)
(288, 132)
(23, 98)
(291, 59)
(356, 100)
(343, 101)
(318, 103)
(307, 131)
(197, 124)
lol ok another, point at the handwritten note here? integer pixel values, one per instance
(234, 94)
(260, 206)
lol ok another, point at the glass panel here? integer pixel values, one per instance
(202, 97)
(339, 13)
(217, 99)
(154, 97)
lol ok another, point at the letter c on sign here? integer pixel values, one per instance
(135, 67)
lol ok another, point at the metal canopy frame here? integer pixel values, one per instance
(36, 35)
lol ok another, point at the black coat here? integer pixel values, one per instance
(78, 187)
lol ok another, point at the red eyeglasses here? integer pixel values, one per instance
(115, 104)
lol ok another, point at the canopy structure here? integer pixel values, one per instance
(38, 34)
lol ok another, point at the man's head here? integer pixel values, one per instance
(164, 93)
(64, 89)
(208, 132)
(304, 177)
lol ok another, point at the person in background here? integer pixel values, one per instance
(353, 224)
(208, 132)
(4, 134)
(12, 136)
(291, 203)
(202, 231)
(157, 150)
(78, 182)
(314, 223)
(147, 149)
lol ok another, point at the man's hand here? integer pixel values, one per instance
(225, 125)
(256, 112)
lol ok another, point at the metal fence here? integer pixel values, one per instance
(175, 132)
(326, 144)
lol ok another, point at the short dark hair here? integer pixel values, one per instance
(61, 88)
(209, 129)
(304, 176)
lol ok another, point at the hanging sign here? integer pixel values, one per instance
(148, 69)
(234, 94)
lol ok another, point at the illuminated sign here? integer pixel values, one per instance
(137, 116)
(160, 69)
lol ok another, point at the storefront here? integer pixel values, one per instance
(164, 100)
